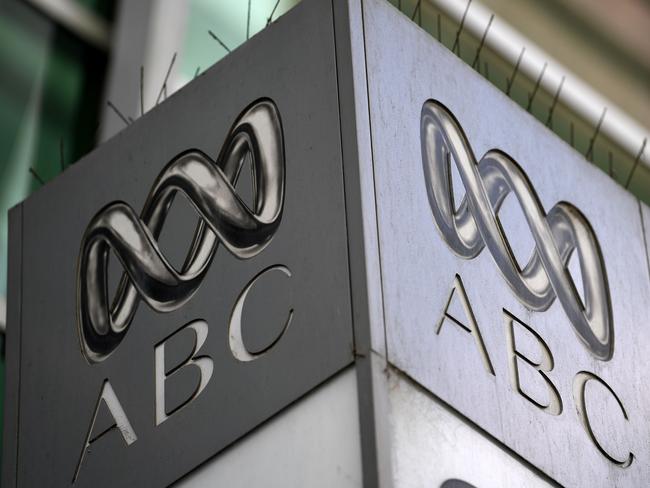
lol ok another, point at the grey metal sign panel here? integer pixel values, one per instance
(515, 279)
(189, 357)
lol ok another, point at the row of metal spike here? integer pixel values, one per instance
(162, 94)
(416, 16)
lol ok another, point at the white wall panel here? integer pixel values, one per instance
(432, 445)
(314, 443)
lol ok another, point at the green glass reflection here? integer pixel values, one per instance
(49, 93)
(229, 21)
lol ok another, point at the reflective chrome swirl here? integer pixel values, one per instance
(225, 218)
(475, 224)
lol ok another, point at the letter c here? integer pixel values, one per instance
(237, 346)
(579, 384)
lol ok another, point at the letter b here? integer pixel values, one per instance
(542, 366)
(203, 363)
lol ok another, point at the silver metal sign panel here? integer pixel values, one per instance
(515, 276)
(189, 278)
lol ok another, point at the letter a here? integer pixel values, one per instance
(120, 421)
(459, 290)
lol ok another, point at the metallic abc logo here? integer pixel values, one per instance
(475, 224)
(225, 218)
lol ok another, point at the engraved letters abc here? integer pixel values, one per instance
(474, 224)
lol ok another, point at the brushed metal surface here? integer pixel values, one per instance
(645, 216)
(436, 301)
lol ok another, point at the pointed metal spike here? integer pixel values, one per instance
(116, 110)
(214, 36)
(532, 96)
(460, 28)
(515, 71)
(270, 19)
(549, 120)
(482, 43)
(637, 160)
(164, 85)
(590, 149)
(36, 176)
